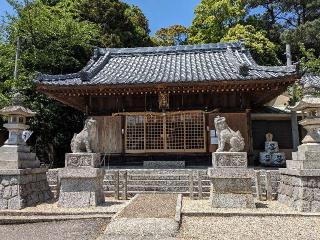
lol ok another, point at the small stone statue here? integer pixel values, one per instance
(269, 137)
(227, 136)
(83, 141)
(271, 156)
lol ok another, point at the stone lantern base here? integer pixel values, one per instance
(300, 189)
(300, 181)
(17, 157)
(21, 188)
(81, 182)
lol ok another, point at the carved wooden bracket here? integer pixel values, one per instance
(164, 100)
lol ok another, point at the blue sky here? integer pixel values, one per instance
(160, 13)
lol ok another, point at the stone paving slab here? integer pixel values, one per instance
(141, 227)
(151, 206)
(152, 216)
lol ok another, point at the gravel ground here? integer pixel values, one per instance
(65, 230)
(151, 206)
(250, 228)
(263, 207)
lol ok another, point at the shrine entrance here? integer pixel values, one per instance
(152, 132)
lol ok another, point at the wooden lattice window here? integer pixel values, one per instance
(169, 132)
(135, 132)
(194, 130)
(175, 131)
(154, 132)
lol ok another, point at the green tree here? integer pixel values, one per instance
(306, 34)
(213, 18)
(299, 11)
(57, 37)
(173, 35)
(274, 17)
(262, 49)
(269, 18)
(121, 25)
(7, 53)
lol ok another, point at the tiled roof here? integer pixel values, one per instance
(310, 80)
(178, 64)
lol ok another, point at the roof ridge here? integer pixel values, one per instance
(173, 49)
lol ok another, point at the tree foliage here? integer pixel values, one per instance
(58, 37)
(213, 18)
(262, 49)
(121, 25)
(173, 35)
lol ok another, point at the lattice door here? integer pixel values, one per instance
(154, 132)
(170, 132)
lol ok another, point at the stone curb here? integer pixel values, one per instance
(127, 203)
(38, 219)
(25, 214)
(247, 214)
(178, 209)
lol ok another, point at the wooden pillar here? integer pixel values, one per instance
(295, 131)
(249, 123)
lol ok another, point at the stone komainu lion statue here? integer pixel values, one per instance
(227, 136)
(83, 141)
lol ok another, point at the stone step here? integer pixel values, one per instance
(157, 171)
(133, 193)
(156, 177)
(158, 188)
(158, 182)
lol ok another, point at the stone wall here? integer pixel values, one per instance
(301, 193)
(22, 188)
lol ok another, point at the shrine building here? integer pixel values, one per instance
(160, 102)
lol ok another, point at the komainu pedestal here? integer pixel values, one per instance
(81, 181)
(231, 181)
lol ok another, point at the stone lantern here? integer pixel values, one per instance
(15, 154)
(300, 180)
(17, 116)
(310, 110)
(22, 182)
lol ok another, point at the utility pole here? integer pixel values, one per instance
(288, 55)
(16, 64)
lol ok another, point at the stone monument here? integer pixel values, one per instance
(81, 181)
(300, 181)
(231, 181)
(22, 182)
(271, 157)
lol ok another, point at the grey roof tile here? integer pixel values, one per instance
(310, 80)
(190, 63)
